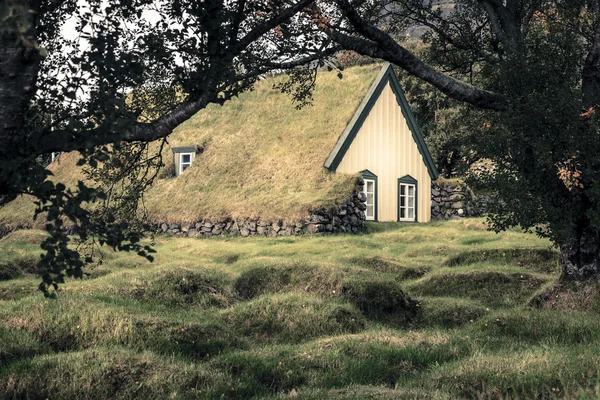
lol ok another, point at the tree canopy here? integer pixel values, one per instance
(524, 73)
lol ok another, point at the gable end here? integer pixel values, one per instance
(386, 76)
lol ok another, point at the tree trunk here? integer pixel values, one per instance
(19, 67)
(580, 256)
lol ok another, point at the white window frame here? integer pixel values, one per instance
(406, 198)
(371, 218)
(181, 161)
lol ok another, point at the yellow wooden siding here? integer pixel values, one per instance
(384, 145)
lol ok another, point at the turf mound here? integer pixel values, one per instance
(373, 295)
(492, 288)
(569, 297)
(389, 266)
(546, 261)
(292, 318)
(182, 287)
(447, 312)
(18, 267)
(103, 373)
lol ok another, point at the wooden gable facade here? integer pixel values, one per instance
(384, 143)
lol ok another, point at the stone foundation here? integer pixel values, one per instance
(348, 217)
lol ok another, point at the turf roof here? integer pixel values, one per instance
(262, 158)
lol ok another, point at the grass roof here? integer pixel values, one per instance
(263, 157)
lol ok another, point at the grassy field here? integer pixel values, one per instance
(403, 311)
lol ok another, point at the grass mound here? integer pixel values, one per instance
(538, 374)
(103, 373)
(306, 317)
(447, 312)
(288, 277)
(25, 236)
(16, 345)
(541, 260)
(292, 318)
(569, 297)
(18, 267)
(538, 327)
(389, 266)
(379, 298)
(492, 288)
(76, 323)
(372, 295)
(182, 287)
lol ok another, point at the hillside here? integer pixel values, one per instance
(301, 317)
(262, 156)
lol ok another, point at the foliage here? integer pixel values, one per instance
(133, 72)
(530, 77)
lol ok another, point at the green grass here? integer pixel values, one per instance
(262, 158)
(403, 311)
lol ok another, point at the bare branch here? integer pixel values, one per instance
(381, 45)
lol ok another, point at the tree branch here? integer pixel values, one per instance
(380, 45)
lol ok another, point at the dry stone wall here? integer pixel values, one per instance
(348, 217)
(455, 201)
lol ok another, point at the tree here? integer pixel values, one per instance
(138, 69)
(528, 70)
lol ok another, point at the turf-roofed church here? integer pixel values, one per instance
(259, 166)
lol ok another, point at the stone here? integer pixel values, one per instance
(185, 228)
(362, 197)
(435, 192)
(244, 232)
(460, 211)
(457, 205)
(206, 229)
(174, 226)
(251, 225)
(198, 226)
(313, 228)
(208, 225)
(217, 230)
(164, 227)
(362, 207)
(260, 230)
(456, 196)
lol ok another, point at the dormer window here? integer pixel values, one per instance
(183, 158)
(185, 161)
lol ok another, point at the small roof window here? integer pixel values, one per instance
(183, 158)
